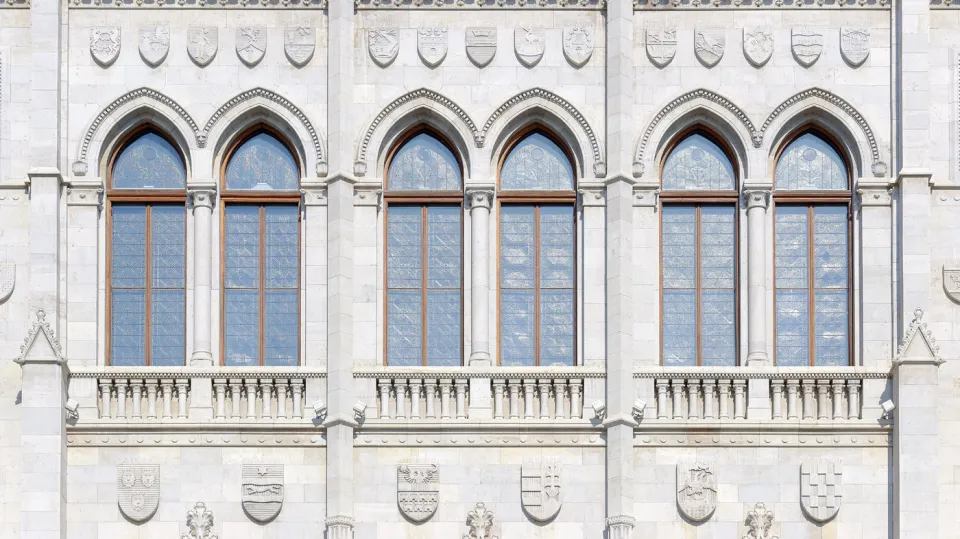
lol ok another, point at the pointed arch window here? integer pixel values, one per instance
(424, 266)
(698, 253)
(261, 252)
(537, 253)
(146, 270)
(812, 201)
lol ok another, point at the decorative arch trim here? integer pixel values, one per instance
(599, 164)
(423, 93)
(878, 167)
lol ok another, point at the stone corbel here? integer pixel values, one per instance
(367, 194)
(313, 193)
(874, 193)
(645, 195)
(84, 193)
(592, 194)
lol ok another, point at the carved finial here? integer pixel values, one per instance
(199, 523)
(480, 522)
(759, 523)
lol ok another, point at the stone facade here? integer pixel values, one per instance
(616, 446)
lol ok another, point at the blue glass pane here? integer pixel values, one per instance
(517, 338)
(263, 163)
(810, 163)
(679, 328)
(443, 328)
(517, 262)
(128, 250)
(404, 240)
(831, 322)
(242, 256)
(556, 327)
(791, 246)
(792, 328)
(168, 246)
(149, 162)
(424, 163)
(242, 328)
(404, 336)
(128, 323)
(698, 163)
(281, 324)
(679, 246)
(537, 163)
(443, 247)
(282, 244)
(168, 328)
(556, 247)
(718, 331)
(830, 252)
(716, 246)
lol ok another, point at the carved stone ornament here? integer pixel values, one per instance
(697, 489)
(918, 344)
(757, 45)
(199, 523)
(138, 491)
(855, 44)
(481, 43)
(432, 44)
(951, 283)
(480, 523)
(8, 279)
(299, 42)
(261, 491)
(806, 44)
(480, 198)
(821, 489)
(154, 44)
(708, 45)
(251, 44)
(105, 44)
(540, 491)
(529, 44)
(39, 327)
(202, 44)
(418, 491)
(661, 45)
(383, 44)
(759, 523)
(578, 44)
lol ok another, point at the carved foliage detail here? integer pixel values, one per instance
(199, 523)
(480, 523)
(759, 523)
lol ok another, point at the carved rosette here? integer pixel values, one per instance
(480, 198)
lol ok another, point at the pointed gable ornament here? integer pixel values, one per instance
(41, 344)
(918, 344)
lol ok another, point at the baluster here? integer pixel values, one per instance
(266, 397)
(837, 386)
(528, 389)
(384, 386)
(724, 408)
(106, 387)
(167, 386)
(793, 386)
(121, 385)
(677, 386)
(251, 390)
(430, 387)
(544, 386)
(236, 386)
(776, 391)
(559, 395)
(183, 386)
(416, 386)
(514, 399)
(709, 395)
(807, 387)
(823, 411)
(460, 386)
(151, 398)
(693, 399)
(739, 408)
(220, 389)
(297, 387)
(662, 386)
(853, 399)
(136, 398)
(576, 406)
(498, 386)
(400, 389)
(445, 398)
(283, 390)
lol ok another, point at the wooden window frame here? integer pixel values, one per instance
(537, 199)
(698, 199)
(260, 199)
(148, 198)
(812, 199)
(423, 199)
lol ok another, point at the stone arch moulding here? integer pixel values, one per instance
(123, 107)
(835, 106)
(697, 99)
(555, 106)
(422, 99)
(261, 98)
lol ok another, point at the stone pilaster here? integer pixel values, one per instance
(480, 199)
(84, 199)
(593, 231)
(756, 199)
(914, 261)
(876, 271)
(202, 197)
(314, 253)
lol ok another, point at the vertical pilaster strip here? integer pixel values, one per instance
(757, 199)
(314, 303)
(366, 345)
(83, 215)
(480, 199)
(202, 198)
(876, 240)
(593, 329)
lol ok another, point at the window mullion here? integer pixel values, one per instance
(698, 284)
(811, 287)
(536, 285)
(147, 285)
(424, 211)
(262, 284)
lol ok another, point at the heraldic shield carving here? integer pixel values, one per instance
(697, 489)
(418, 491)
(8, 278)
(821, 489)
(540, 489)
(138, 490)
(262, 491)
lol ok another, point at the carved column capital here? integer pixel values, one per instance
(756, 198)
(645, 195)
(202, 196)
(875, 193)
(314, 195)
(480, 197)
(592, 194)
(86, 193)
(367, 194)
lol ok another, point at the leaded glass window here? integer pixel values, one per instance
(424, 163)
(264, 163)
(148, 162)
(536, 162)
(698, 163)
(810, 163)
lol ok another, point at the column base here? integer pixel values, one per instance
(340, 527)
(201, 358)
(480, 359)
(620, 526)
(758, 359)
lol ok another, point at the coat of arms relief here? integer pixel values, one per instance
(697, 489)
(138, 490)
(261, 492)
(418, 491)
(540, 491)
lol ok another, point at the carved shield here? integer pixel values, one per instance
(262, 491)
(540, 491)
(299, 42)
(251, 44)
(661, 45)
(708, 45)
(8, 278)
(951, 283)
(418, 490)
(105, 44)
(855, 44)
(578, 44)
(806, 44)
(757, 45)
(529, 44)
(821, 489)
(383, 44)
(697, 489)
(432, 44)
(154, 44)
(202, 43)
(138, 490)
(481, 44)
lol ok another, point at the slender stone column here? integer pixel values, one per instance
(202, 197)
(481, 200)
(756, 200)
